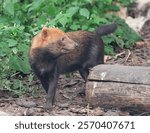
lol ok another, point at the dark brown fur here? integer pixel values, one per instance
(88, 53)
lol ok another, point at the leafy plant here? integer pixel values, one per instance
(20, 20)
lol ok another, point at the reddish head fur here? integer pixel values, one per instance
(53, 39)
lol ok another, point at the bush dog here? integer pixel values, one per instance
(54, 52)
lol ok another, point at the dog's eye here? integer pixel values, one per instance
(63, 39)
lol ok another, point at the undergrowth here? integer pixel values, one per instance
(21, 19)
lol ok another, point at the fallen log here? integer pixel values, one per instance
(116, 86)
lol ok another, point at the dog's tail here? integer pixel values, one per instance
(106, 29)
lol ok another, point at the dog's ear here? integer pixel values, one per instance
(44, 32)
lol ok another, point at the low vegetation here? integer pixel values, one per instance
(21, 19)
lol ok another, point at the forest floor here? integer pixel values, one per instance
(69, 99)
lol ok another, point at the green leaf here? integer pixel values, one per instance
(9, 7)
(3, 20)
(14, 50)
(85, 12)
(108, 1)
(18, 64)
(63, 20)
(23, 48)
(91, 29)
(36, 4)
(72, 10)
(119, 41)
(88, 1)
(52, 10)
(74, 27)
(84, 27)
(12, 42)
(103, 20)
(109, 50)
(41, 20)
(58, 16)
(30, 78)
(17, 84)
(25, 66)
(15, 64)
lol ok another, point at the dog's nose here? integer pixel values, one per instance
(76, 45)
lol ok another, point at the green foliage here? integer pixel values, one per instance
(125, 2)
(124, 37)
(19, 21)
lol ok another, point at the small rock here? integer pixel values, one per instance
(141, 3)
(96, 112)
(148, 62)
(116, 113)
(136, 23)
(4, 113)
(140, 44)
(26, 104)
(111, 113)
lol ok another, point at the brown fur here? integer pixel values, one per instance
(54, 52)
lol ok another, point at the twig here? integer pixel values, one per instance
(128, 55)
(14, 74)
(116, 56)
(144, 113)
(88, 111)
(25, 113)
